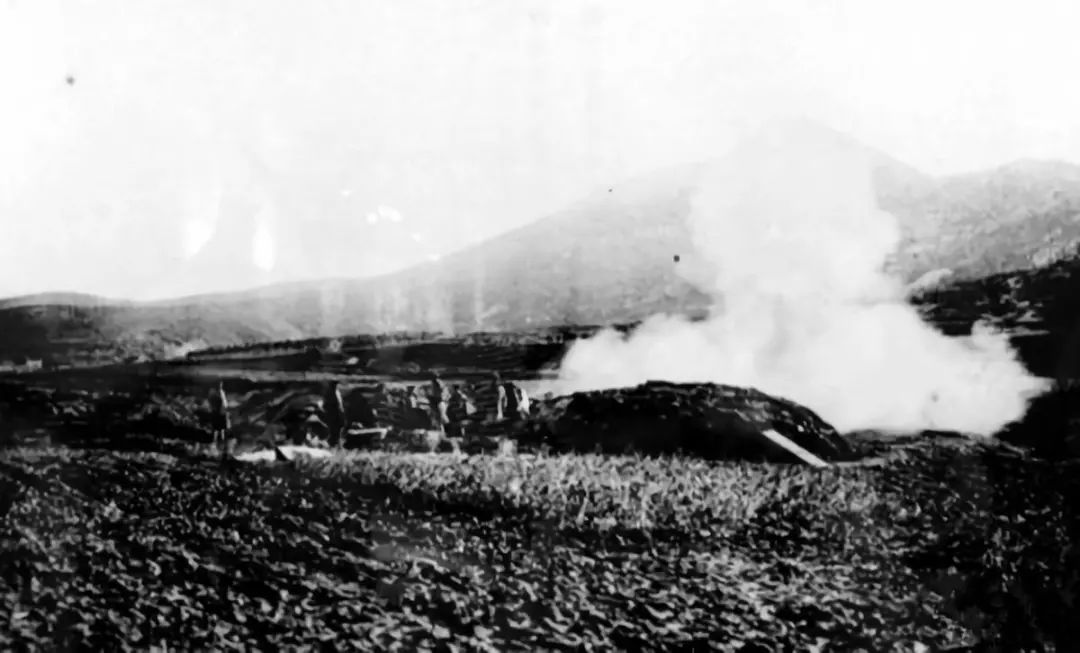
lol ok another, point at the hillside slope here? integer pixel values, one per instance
(73, 299)
(1022, 215)
(609, 258)
(1039, 306)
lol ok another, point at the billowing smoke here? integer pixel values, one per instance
(177, 351)
(792, 247)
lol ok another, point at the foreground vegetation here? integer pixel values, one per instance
(942, 544)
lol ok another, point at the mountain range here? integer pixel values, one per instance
(609, 258)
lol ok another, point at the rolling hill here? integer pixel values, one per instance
(608, 258)
(1038, 306)
(75, 299)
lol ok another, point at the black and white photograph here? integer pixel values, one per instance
(539, 325)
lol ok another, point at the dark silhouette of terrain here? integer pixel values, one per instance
(1038, 306)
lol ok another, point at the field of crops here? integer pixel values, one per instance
(943, 544)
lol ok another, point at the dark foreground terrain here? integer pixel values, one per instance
(127, 537)
(943, 542)
(116, 410)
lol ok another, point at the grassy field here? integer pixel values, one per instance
(944, 542)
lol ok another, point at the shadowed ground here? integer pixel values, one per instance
(943, 542)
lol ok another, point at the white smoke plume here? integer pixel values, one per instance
(177, 351)
(792, 246)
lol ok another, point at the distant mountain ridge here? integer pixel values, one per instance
(608, 258)
(61, 299)
(1025, 214)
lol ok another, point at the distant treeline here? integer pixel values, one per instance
(356, 344)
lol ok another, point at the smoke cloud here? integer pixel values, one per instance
(180, 350)
(791, 246)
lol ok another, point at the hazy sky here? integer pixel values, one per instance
(215, 144)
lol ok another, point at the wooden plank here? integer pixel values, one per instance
(802, 454)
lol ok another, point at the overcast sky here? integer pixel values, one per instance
(350, 138)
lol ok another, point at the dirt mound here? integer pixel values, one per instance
(701, 419)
